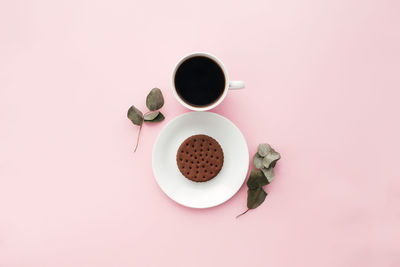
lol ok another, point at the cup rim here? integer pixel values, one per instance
(220, 64)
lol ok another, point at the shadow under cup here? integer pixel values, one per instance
(199, 81)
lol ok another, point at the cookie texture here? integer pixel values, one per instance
(200, 158)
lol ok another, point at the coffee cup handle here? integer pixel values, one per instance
(234, 85)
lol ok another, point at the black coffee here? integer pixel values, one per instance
(199, 81)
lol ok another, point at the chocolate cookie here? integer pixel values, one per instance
(200, 158)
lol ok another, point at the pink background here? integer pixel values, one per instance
(323, 87)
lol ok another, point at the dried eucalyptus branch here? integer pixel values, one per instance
(154, 101)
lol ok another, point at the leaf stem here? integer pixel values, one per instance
(140, 130)
(137, 140)
(243, 213)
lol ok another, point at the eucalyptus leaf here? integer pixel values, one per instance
(271, 157)
(160, 117)
(151, 116)
(155, 99)
(263, 149)
(255, 197)
(135, 115)
(258, 161)
(256, 179)
(269, 173)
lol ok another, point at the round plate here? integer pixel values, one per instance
(220, 188)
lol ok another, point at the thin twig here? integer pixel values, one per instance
(140, 130)
(137, 140)
(242, 213)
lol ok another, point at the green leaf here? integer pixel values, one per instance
(135, 115)
(268, 173)
(256, 179)
(271, 157)
(151, 116)
(160, 117)
(258, 161)
(263, 149)
(155, 99)
(255, 197)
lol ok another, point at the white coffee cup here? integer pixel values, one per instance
(228, 84)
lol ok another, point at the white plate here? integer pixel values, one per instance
(220, 188)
